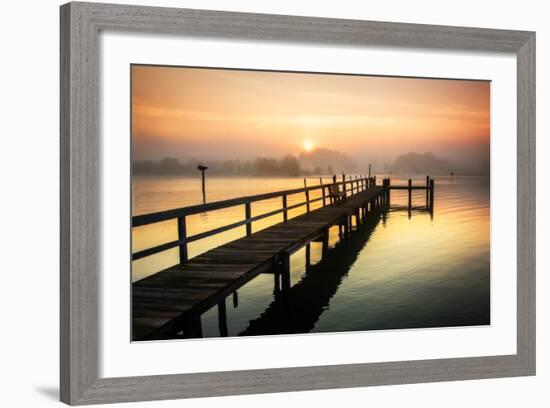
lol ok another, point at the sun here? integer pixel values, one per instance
(308, 145)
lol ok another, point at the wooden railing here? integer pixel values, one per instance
(350, 185)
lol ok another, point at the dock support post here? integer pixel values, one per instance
(248, 215)
(346, 225)
(235, 299)
(285, 211)
(182, 238)
(222, 319)
(192, 328)
(277, 281)
(308, 255)
(285, 270)
(325, 243)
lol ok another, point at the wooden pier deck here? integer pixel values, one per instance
(171, 301)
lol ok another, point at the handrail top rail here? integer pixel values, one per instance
(145, 219)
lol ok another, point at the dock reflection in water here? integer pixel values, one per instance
(297, 309)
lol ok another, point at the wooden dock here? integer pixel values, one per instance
(171, 301)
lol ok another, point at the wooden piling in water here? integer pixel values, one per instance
(427, 189)
(410, 194)
(432, 188)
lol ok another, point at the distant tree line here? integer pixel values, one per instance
(288, 166)
(416, 163)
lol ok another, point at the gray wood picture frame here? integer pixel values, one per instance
(80, 191)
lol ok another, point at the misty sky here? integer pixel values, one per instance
(224, 114)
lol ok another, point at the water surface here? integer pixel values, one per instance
(400, 269)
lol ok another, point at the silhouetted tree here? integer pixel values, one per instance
(289, 166)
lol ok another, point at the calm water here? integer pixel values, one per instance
(398, 270)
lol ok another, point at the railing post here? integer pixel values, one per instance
(307, 195)
(248, 215)
(323, 192)
(344, 184)
(374, 181)
(285, 211)
(182, 238)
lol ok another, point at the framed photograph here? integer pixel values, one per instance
(260, 203)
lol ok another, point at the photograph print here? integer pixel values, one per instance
(270, 203)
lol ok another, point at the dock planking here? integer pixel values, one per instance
(165, 301)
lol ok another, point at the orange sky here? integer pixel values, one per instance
(216, 113)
